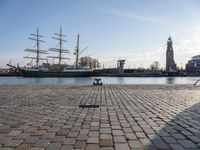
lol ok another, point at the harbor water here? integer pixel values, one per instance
(105, 80)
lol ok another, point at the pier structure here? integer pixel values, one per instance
(107, 117)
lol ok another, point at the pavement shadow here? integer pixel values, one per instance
(180, 133)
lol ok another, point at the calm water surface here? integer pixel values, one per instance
(105, 80)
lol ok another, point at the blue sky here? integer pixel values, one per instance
(135, 30)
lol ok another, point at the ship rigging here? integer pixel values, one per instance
(36, 37)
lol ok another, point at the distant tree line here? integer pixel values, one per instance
(155, 66)
(88, 61)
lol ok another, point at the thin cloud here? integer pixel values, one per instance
(136, 17)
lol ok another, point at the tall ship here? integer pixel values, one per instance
(53, 70)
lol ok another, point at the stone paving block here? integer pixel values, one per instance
(82, 137)
(14, 143)
(6, 148)
(105, 131)
(42, 143)
(135, 144)
(117, 132)
(48, 135)
(23, 136)
(69, 141)
(130, 136)
(31, 129)
(4, 129)
(93, 134)
(129, 130)
(116, 127)
(67, 126)
(106, 148)
(140, 134)
(72, 134)
(23, 127)
(80, 144)
(95, 124)
(14, 132)
(39, 132)
(178, 136)
(194, 138)
(92, 147)
(36, 148)
(63, 132)
(93, 140)
(84, 131)
(31, 139)
(54, 129)
(177, 147)
(104, 125)
(160, 144)
(187, 144)
(66, 147)
(136, 129)
(119, 139)
(75, 129)
(53, 146)
(170, 140)
(5, 140)
(145, 142)
(94, 128)
(105, 136)
(121, 146)
(149, 131)
(106, 142)
(23, 146)
(58, 139)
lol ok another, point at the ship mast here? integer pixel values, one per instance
(77, 52)
(60, 50)
(36, 38)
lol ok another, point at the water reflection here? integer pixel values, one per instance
(37, 80)
(170, 80)
(121, 80)
(105, 80)
(59, 80)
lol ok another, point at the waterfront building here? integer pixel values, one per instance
(5, 71)
(193, 65)
(120, 66)
(170, 63)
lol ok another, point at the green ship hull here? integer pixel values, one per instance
(28, 73)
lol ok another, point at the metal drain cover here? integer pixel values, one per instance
(88, 106)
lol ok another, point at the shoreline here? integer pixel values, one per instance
(133, 86)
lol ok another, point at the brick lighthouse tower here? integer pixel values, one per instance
(170, 63)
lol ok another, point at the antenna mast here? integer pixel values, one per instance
(60, 50)
(36, 38)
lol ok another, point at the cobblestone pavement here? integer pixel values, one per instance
(37, 117)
